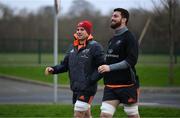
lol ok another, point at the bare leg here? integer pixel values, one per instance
(114, 103)
(132, 111)
(88, 114)
(134, 116)
(105, 115)
(79, 114)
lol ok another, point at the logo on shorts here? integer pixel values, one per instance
(131, 100)
(81, 97)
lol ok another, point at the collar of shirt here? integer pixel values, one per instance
(76, 41)
(120, 31)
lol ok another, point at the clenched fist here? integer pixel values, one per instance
(48, 70)
(103, 69)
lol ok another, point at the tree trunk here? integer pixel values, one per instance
(171, 38)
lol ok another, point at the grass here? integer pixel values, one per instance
(152, 69)
(150, 75)
(47, 59)
(32, 73)
(30, 110)
(153, 75)
(26, 59)
(155, 59)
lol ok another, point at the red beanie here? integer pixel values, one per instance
(87, 25)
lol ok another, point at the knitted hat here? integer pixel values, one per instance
(87, 25)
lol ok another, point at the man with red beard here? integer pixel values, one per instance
(120, 79)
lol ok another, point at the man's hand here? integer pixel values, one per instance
(48, 71)
(103, 69)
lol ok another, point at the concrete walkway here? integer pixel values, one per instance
(18, 91)
(143, 89)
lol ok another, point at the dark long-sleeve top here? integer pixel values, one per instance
(122, 56)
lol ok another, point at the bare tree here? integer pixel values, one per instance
(171, 9)
(170, 6)
(80, 7)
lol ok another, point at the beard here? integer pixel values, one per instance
(115, 25)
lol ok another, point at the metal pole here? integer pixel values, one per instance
(55, 48)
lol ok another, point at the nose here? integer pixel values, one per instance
(112, 18)
(78, 31)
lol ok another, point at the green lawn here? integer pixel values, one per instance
(152, 69)
(150, 75)
(47, 59)
(67, 111)
(18, 59)
(32, 73)
(154, 75)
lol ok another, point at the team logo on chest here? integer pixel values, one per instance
(109, 43)
(118, 42)
(85, 51)
(110, 51)
(72, 51)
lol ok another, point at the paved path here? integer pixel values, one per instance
(19, 92)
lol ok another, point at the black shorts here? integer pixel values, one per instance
(82, 96)
(128, 95)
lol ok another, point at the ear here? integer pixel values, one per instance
(124, 20)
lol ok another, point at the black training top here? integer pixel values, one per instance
(123, 47)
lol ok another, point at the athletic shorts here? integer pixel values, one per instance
(127, 95)
(82, 96)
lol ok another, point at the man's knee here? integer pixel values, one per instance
(107, 110)
(82, 114)
(131, 110)
(79, 114)
(80, 108)
(88, 114)
(105, 115)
